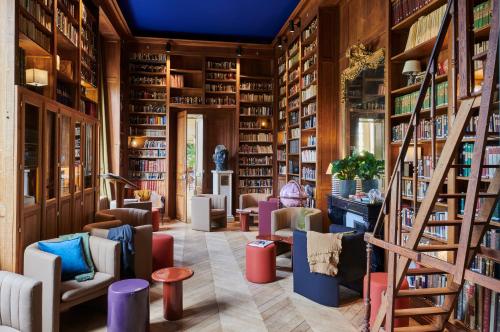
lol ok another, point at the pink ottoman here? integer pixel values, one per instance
(261, 264)
(163, 251)
(155, 218)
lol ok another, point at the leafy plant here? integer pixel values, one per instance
(368, 166)
(345, 168)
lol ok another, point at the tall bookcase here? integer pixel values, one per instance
(405, 44)
(306, 122)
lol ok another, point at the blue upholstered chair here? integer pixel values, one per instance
(324, 289)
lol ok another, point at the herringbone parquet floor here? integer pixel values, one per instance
(219, 298)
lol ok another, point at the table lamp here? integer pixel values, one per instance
(37, 77)
(410, 69)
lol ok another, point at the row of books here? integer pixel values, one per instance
(282, 169)
(66, 27)
(309, 109)
(310, 92)
(424, 167)
(310, 30)
(154, 144)
(64, 93)
(88, 108)
(176, 81)
(424, 129)
(256, 161)
(309, 49)
(429, 281)
(282, 103)
(407, 218)
(226, 65)
(308, 156)
(295, 103)
(262, 86)
(151, 120)
(407, 189)
(29, 28)
(311, 141)
(267, 191)
(147, 68)
(293, 118)
(480, 202)
(260, 137)
(153, 80)
(264, 171)
(220, 76)
(147, 108)
(493, 124)
(309, 123)
(146, 94)
(294, 147)
(256, 182)
(256, 110)
(282, 90)
(245, 148)
(38, 12)
(160, 153)
(293, 89)
(157, 186)
(292, 61)
(309, 173)
(219, 87)
(294, 133)
(146, 176)
(281, 155)
(222, 100)
(140, 165)
(425, 28)
(146, 56)
(310, 62)
(293, 49)
(482, 14)
(401, 9)
(147, 132)
(256, 97)
(491, 157)
(480, 47)
(191, 100)
(405, 103)
(251, 125)
(309, 78)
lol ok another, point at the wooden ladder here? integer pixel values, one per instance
(474, 224)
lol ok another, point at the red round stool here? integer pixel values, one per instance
(261, 264)
(155, 218)
(163, 251)
(378, 285)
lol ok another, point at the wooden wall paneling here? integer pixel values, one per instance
(9, 121)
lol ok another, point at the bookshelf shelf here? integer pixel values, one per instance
(416, 87)
(421, 51)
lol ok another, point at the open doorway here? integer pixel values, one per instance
(190, 169)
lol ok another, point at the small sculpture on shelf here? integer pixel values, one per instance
(220, 158)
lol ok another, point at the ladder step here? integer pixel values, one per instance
(417, 328)
(461, 195)
(425, 311)
(468, 166)
(426, 291)
(452, 222)
(437, 247)
(423, 271)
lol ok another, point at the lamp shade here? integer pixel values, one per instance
(329, 171)
(37, 77)
(411, 66)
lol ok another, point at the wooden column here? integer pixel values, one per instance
(8, 137)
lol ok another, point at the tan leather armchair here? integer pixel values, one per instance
(129, 216)
(143, 244)
(60, 295)
(251, 202)
(284, 221)
(208, 211)
(21, 309)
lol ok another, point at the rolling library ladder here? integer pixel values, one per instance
(403, 250)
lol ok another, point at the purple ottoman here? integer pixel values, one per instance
(128, 306)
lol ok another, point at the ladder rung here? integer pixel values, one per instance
(468, 166)
(425, 311)
(438, 247)
(461, 195)
(417, 328)
(426, 291)
(452, 222)
(423, 271)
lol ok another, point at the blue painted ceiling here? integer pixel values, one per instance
(255, 21)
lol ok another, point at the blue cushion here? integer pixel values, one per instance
(72, 256)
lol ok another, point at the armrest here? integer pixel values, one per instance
(314, 222)
(24, 303)
(45, 267)
(143, 243)
(105, 255)
(102, 225)
(353, 246)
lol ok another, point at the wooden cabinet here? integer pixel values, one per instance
(56, 169)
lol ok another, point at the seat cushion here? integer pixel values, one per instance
(217, 212)
(72, 290)
(284, 232)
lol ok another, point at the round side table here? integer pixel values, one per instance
(128, 306)
(172, 278)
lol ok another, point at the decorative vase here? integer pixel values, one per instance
(347, 187)
(368, 185)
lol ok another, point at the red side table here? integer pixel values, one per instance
(172, 278)
(244, 219)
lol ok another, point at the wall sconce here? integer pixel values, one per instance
(280, 43)
(37, 77)
(168, 47)
(133, 142)
(291, 26)
(239, 51)
(263, 124)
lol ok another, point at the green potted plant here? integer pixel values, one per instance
(369, 169)
(345, 170)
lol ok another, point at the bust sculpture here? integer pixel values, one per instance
(220, 157)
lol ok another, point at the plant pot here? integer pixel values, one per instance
(367, 185)
(347, 187)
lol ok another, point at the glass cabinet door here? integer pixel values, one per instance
(50, 166)
(77, 163)
(65, 154)
(88, 168)
(31, 154)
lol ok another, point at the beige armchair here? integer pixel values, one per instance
(208, 211)
(251, 202)
(143, 243)
(58, 296)
(129, 216)
(21, 307)
(285, 221)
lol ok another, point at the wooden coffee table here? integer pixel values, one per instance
(172, 278)
(244, 219)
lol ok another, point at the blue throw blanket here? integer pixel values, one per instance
(125, 235)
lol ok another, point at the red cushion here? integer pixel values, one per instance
(261, 264)
(163, 251)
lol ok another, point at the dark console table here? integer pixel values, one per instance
(366, 217)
